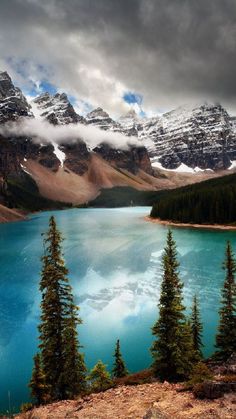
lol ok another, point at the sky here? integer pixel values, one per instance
(153, 55)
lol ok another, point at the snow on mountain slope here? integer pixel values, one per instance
(101, 119)
(202, 136)
(129, 123)
(13, 103)
(57, 109)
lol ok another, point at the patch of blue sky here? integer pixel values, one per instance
(132, 98)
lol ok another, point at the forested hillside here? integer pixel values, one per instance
(209, 202)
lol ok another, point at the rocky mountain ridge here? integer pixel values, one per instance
(72, 172)
(13, 103)
(56, 109)
(202, 136)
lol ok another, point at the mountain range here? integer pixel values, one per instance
(183, 146)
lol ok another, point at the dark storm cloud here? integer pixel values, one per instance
(171, 52)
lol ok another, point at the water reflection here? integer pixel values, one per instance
(114, 258)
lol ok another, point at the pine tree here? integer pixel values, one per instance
(196, 327)
(226, 336)
(172, 351)
(39, 389)
(58, 336)
(99, 377)
(74, 376)
(119, 369)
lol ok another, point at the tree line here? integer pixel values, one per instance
(59, 370)
(209, 202)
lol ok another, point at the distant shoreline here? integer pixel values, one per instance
(189, 225)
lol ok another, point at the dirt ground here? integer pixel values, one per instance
(155, 400)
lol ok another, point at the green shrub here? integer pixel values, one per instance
(141, 377)
(25, 407)
(99, 378)
(200, 374)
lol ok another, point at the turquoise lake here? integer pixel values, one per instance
(114, 259)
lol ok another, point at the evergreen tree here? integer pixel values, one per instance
(58, 336)
(74, 375)
(196, 327)
(99, 377)
(39, 389)
(226, 336)
(119, 369)
(172, 351)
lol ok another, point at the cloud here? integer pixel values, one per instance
(171, 52)
(42, 131)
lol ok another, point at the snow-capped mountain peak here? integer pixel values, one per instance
(101, 119)
(57, 109)
(13, 103)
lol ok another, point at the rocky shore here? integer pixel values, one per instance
(189, 225)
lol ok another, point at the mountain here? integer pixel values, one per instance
(13, 103)
(38, 175)
(129, 123)
(199, 137)
(57, 109)
(202, 136)
(101, 119)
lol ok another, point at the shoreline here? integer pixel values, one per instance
(189, 225)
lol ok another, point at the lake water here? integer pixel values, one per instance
(114, 258)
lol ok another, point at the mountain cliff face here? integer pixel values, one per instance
(203, 136)
(101, 119)
(13, 104)
(57, 109)
(130, 123)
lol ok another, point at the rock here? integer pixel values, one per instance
(155, 413)
(231, 364)
(131, 159)
(214, 389)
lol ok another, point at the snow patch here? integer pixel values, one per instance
(183, 168)
(24, 169)
(59, 153)
(233, 164)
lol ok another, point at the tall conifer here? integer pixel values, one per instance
(226, 336)
(119, 369)
(74, 375)
(196, 327)
(172, 350)
(39, 389)
(58, 336)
